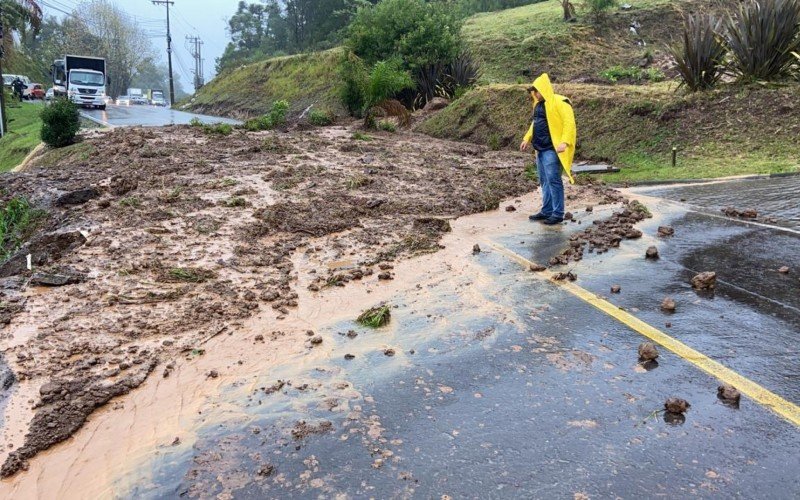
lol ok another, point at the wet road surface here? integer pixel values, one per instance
(534, 393)
(777, 196)
(148, 116)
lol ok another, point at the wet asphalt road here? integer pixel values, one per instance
(148, 116)
(547, 400)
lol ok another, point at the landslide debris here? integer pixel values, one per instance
(171, 236)
(605, 234)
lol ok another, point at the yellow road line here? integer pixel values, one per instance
(762, 396)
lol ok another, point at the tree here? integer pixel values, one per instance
(420, 33)
(15, 16)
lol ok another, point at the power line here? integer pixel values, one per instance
(169, 49)
(195, 48)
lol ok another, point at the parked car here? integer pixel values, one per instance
(124, 100)
(50, 94)
(9, 79)
(34, 91)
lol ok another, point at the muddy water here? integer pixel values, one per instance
(500, 386)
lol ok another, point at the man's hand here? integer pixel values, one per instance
(524, 146)
(561, 147)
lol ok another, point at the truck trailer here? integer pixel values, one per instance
(82, 79)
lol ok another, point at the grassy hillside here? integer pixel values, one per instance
(303, 80)
(734, 130)
(23, 134)
(514, 45)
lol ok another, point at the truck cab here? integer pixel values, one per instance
(82, 79)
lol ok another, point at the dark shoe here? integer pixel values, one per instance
(552, 221)
(539, 216)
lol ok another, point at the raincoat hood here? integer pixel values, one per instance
(560, 121)
(543, 85)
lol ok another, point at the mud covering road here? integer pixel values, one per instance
(168, 239)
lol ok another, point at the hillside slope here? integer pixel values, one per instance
(247, 91)
(515, 44)
(733, 130)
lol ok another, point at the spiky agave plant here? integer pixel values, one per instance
(700, 58)
(762, 35)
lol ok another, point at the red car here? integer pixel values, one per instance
(35, 91)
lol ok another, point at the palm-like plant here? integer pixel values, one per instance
(762, 36)
(699, 59)
(384, 82)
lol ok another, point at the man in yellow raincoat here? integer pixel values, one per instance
(552, 134)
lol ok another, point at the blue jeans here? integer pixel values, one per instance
(549, 168)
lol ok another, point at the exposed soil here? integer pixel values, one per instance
(166, 238)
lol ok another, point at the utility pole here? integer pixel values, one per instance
(169, 50)
(195, 49)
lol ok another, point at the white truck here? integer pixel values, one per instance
(82, 79)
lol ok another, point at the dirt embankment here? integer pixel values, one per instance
(168, 237)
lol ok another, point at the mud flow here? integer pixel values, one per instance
(197, 336)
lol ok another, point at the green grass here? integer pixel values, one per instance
(24, 125)
(302, 80)
(515, 45)
(190, 274)
(734, 130)
(17, 220)
(375, 317)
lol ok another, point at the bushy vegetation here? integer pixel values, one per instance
(365, 92)
(632, 74)
(417, 32)
(17, 219)
(761, 39)
(761, 36)
(321, 117)
(24, 132)
(274, 28)
(276, 117)
(60, 123)
(700, 58)
(447, 80)
(212, 129)
(598, 8)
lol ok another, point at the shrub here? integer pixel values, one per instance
(700, 58)
(387, 126)
(418, 32)
(598, 8)
(353, 74)
(494, 142)
(633, 74)
(275, 118)
(762, 36)
(447, 80)
(320, 117)
(17, 221)
(60, 122)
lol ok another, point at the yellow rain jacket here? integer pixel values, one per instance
(560, 119)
